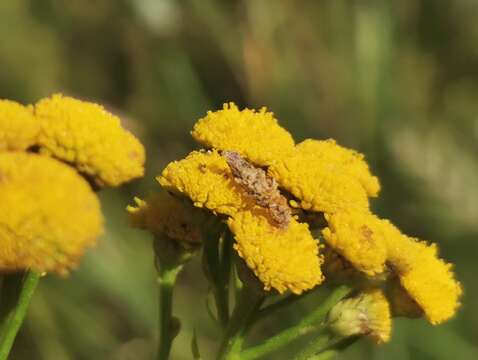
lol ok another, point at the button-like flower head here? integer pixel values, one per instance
(256, 135)
(283, 259)
(85, 135)
(165, 215)
(49, 214)
(326, 177)
(427, 279)
(359, 237)
(18, 127)
(207, 180)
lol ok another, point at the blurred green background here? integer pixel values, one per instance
(398, 82)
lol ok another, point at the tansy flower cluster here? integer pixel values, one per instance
(50, 154)
(278, 198)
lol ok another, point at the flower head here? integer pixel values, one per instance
(325, 177)
(427, 279)
(88, 137)
(349, 161)
(49, 214)
(206, 179)
(283, 259)
(365, 314)
(18, 127)
(256, 135)
(359, 237)
(271, 192)
(164, 214)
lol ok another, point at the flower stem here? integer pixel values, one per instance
(282, 303)
(309, 324)
(326, 355)
(221, 288)
(248, 304)
(317, 345)
(15, 315)
(166, 280)
(217, 267)
(320, 349)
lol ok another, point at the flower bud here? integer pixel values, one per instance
(365, 314)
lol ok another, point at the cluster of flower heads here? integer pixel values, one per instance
(50, 153)
(272, 193)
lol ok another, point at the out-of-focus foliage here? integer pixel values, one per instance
(396, 80)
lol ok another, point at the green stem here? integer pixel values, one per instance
(1, 286)
(16, 314)
(283, 338)
(222, 287)
(326, 355)
(282, 303)
(248, 304)
(319, 350)
(309, 324)
(222, 306)
(167, 331)
(317, 345)
(217, 261)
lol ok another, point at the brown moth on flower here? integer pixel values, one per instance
(260, 186)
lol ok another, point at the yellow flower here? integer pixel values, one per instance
(358, 236)
(365, 314)
(349, 161)
(206, 179)
(325, 177)
(164, 214)
(256, 135)
(18, 126)
(428, 280)
(283, 259)
(49, 214)
(87, 136)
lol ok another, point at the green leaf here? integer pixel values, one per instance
(195, 347)
(209, 298)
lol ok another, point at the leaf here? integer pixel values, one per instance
(195, 347)
(208, 306)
